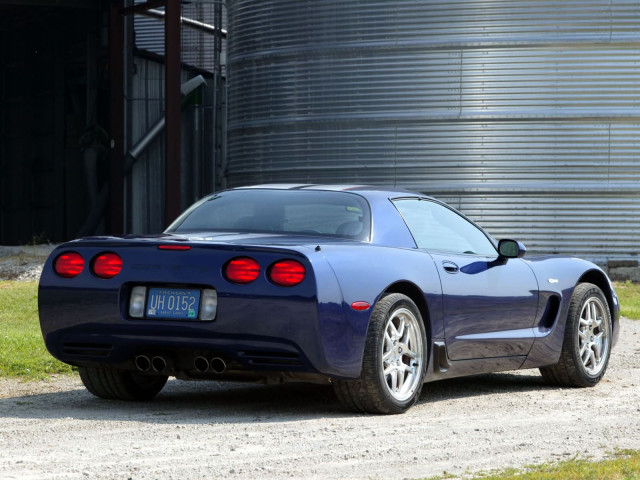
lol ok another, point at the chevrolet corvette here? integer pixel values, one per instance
(374, 291)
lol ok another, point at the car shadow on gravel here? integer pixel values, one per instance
(214, 402)
(479, 385)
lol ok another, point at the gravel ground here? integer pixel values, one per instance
(56, 430)
(23, 263)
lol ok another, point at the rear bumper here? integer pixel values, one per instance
(89, 327)
(88, 346)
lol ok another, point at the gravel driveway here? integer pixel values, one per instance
(55, 429)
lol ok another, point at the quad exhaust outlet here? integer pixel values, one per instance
(144, 364)
(203, 365)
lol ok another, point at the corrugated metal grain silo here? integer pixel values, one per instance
(525, 114)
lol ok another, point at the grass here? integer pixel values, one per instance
(22, 350)
(625, 465)
(629, 296)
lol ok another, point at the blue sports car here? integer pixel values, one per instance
(374, 291)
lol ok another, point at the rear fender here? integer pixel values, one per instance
(365, 275)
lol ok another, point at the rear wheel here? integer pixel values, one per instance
(394, 360)
(587, 340)
(121, 384)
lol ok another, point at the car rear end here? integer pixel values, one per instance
(184, 308)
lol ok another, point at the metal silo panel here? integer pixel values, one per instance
(146, 190)
(526, 114)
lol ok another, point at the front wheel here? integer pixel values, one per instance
(394, 360)
(121, 384)
(587, 340)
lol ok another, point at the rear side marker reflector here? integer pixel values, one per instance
(360, 306)
(69, 264)
(174, 247)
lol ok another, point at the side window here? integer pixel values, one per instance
(435, 227)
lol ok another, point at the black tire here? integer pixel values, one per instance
(121, 384)
(403, 355)
(587, 340)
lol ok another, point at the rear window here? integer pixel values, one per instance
(303, 212)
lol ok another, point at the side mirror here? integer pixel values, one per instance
(511, 249)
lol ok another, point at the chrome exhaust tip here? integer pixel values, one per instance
(142, 363)
(218, 365)
(201, 364)
(159, 364)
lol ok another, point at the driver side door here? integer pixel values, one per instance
(489, 302)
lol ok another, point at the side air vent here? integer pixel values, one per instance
(550, 312)
(270, 358)
(88, 349)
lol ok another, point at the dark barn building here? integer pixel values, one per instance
(84, 114)
(53, 116)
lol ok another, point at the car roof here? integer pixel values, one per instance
(324, 187)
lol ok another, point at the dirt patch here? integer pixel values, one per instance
(23, 263)
(55, 429)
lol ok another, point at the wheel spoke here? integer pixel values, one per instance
(393, 331)
(589, 358)
(400, 381)
(584, 354)
(409, 353)
(401, 329)
(597, 323)
(387, 355)
(583, 349)
(592, 358)
(394, 380)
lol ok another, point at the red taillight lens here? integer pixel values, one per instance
(69, 265)
(242, 270)
(107, 265)
(287, 273)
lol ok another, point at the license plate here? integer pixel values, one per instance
(173, 303)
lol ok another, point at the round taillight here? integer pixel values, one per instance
(287, 273)
(107, 265)
(242, 270)
(69, 264)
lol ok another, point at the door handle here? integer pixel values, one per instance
(450, 267)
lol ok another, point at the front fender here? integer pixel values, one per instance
(559, 276)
